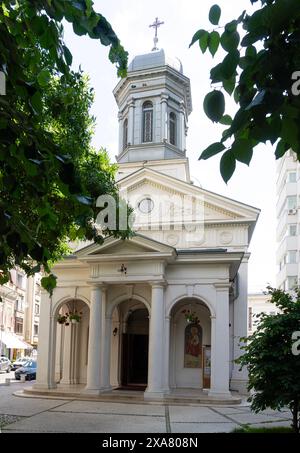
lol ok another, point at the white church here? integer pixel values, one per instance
(159, 316)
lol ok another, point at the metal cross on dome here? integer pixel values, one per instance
(155, 25)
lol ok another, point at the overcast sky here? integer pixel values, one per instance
(130, 19)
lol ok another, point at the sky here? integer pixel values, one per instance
(130, 19)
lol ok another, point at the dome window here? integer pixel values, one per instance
(147, 121)
(125, 133)
(173, 128)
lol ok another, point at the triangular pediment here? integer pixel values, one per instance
(139, 245)
(151, 183)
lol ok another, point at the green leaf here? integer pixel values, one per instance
(49, 283)
(280, 149)
(243, 150)
(227, 165)
(290, 133)
(36, 102)
(197, 36)
(212, 150)
(213, 42)
(203, 41)
(44, 77)
(68, 56)
(226, 120)
(229, 64)
(214, 105)
(214, 14)
(229, 85)
(230, 40)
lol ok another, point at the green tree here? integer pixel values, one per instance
(50, 176)
(261, 71)
(272, 363)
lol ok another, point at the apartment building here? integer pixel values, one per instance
(19, 314)
(288, 219)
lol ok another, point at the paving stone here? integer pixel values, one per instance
(112, 408)
(87, 423)
(202, 427)
(194, 414)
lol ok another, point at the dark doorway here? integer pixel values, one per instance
(135, 351)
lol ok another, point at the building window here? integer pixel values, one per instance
(291, 283)
(147, 121)
(125, 133)
(20, 304)
(19, 326)
(250, 318)
(20, 280)
(292, 229)
(292, 202)
(292, 256)
(35, 330)
(292, 176)
(36, 309)
(173, 128)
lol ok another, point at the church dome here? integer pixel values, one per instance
(154, 59)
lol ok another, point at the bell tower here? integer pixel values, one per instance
(154, 102)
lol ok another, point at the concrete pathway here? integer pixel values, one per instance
(31, 415)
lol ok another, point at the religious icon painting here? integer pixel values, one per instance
(193, 346)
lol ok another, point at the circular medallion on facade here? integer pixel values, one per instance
(146, 205)
(172, 239)
(226, 237)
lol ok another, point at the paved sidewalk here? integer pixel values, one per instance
(31, 415)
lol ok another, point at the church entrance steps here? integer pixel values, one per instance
(176, 397)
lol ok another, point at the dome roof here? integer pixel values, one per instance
(154, 59)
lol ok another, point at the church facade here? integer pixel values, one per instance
(165, 309)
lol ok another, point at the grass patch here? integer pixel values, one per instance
(274, 429)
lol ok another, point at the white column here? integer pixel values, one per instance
(67, 356)
(156, 346)
(167, 355)
(182, 137)
(164, 118)
(219, 385)
(120, 118)
(240, 306)
(47, 345)
(94, 348)
(131, 106)
(106, 342)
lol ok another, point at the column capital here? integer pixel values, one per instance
(158, 284)
(164, 98)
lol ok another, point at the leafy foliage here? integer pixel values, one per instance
(259, 71)
(50, 176)
(273, 368)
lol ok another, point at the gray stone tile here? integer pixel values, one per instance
(254, 418)
(202, 427)
(14, 405)
(87, 423)
(194, 414)
(112, 408)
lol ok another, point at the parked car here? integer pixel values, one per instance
(28, 370)
(5, 364)
(19, 362)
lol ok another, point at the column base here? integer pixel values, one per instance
(154, 395)
(98, 391)
(220, 394)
